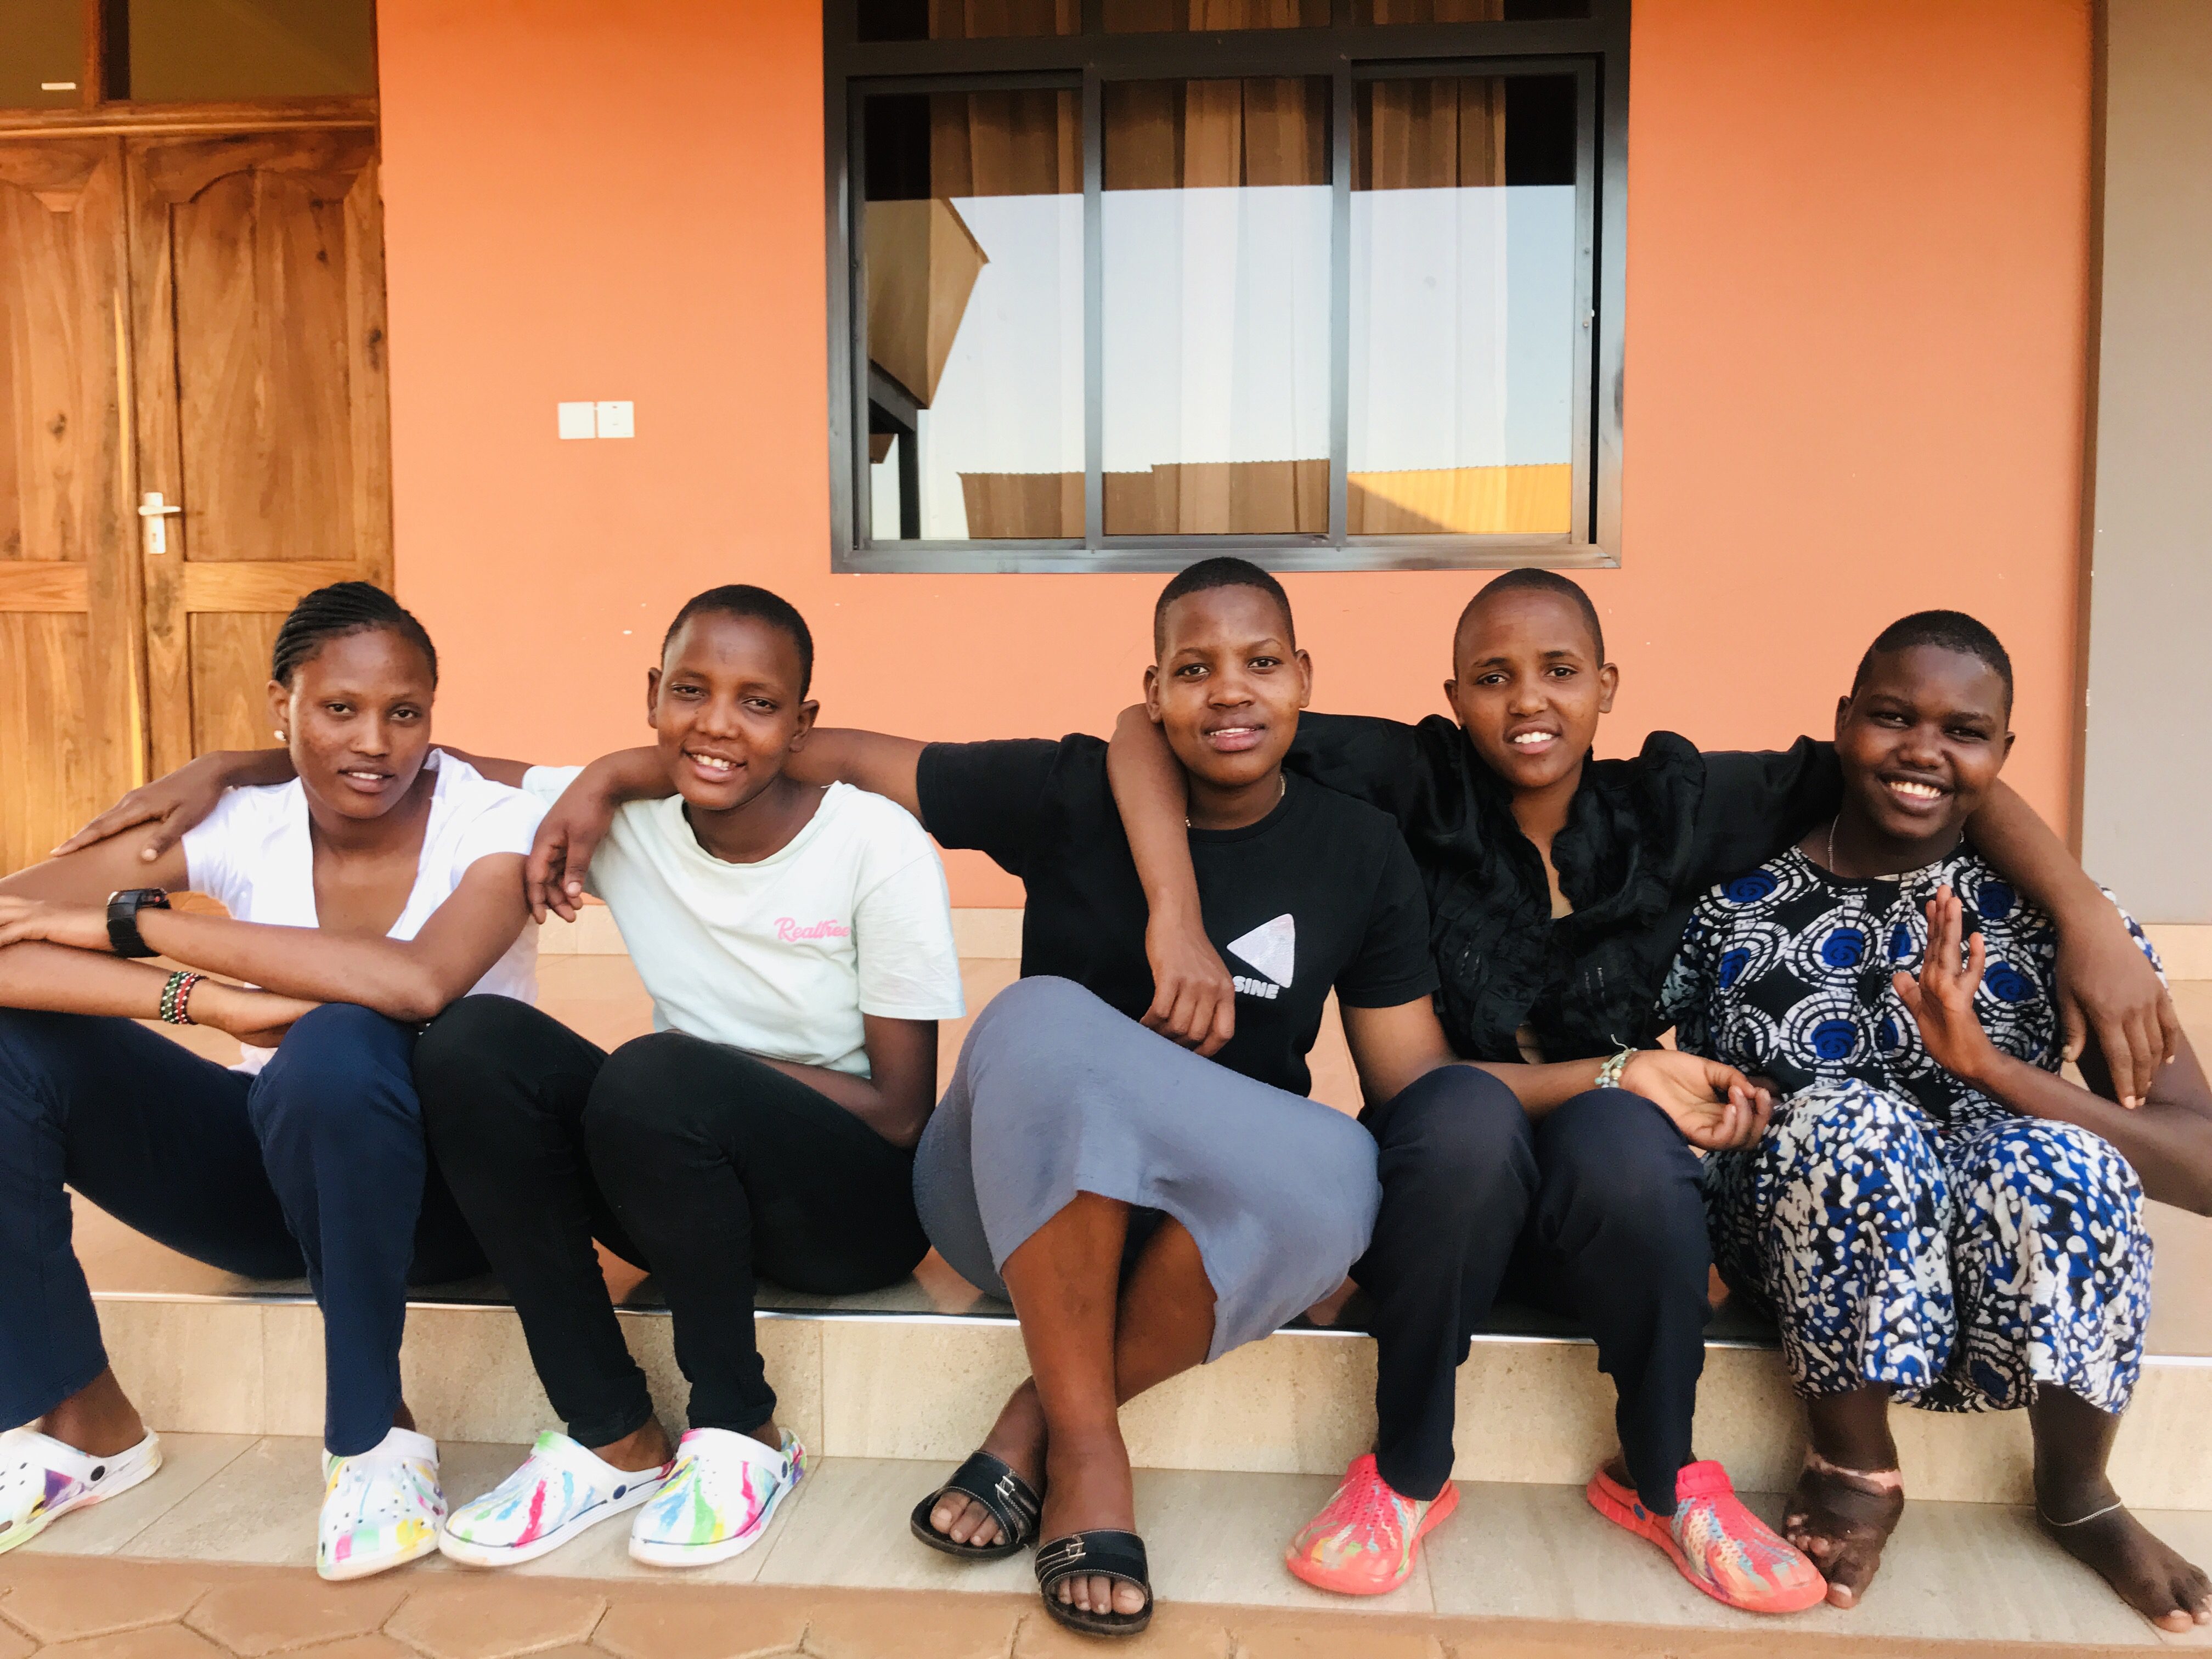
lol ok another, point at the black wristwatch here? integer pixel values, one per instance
(123, 910)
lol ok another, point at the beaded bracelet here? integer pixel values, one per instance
(1608, 1075)
(176, 997)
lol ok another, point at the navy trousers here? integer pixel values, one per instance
(1593, 1212)
(316, 1165)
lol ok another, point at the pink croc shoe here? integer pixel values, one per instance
(1715, 1542)
(1365, 1540)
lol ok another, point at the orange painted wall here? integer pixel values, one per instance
(1856, 266)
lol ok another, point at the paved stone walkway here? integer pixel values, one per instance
(75, 1607)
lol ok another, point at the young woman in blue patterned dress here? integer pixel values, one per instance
(1935, 1215)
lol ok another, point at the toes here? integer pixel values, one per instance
(1842, 1595)
(1128, 1599)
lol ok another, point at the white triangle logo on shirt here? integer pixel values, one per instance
(1272, 947)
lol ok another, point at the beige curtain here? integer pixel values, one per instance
(1026, 142)
(1444, 134)
(1161, 16)
(978, 19)
(1434, 11)
(1173, 135)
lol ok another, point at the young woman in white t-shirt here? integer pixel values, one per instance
(797, 946)
(380, 884)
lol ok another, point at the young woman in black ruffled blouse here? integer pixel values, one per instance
(1558, 886)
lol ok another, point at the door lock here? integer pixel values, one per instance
(156, 517)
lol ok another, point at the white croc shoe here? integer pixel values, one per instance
(718, 1500)
(41, 1480)
(381, 1508)
(561, 1489)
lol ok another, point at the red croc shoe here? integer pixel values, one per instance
(1715, 1543)
(1365, 1539)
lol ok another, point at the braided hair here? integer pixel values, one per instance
(332, 613)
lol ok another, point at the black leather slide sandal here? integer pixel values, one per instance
(1007, 1498)
(1104, 1553)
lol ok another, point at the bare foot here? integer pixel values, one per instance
(1017, 1440)
(1090, 1490)
(2171, 1592)
(1842, 1518)
(98, 1419)
(642, 1449)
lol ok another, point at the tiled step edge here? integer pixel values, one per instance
(1529, 1411)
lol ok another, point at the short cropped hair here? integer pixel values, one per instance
(742, 600)
(1947, 630)
(1220, 572)
(332, 613)
(1533, 579)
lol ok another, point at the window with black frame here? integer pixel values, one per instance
(1331, 283)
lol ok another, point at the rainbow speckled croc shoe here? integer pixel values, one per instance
(41, 1480)
(1715, 1543)
(381, 1508)
(1367, 1537)
(718, 1499)
(560, 1490)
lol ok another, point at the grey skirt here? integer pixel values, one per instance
(1057, 1094)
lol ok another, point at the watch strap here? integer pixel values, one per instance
(122, 909)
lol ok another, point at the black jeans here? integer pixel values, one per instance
(689, 1158)
(1593, 1212)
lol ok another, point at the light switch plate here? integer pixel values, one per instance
(578, 420)
(617, 420)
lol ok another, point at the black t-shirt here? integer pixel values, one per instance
(1643, 840)
(1320, 893)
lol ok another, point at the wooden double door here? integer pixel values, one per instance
(193, 434)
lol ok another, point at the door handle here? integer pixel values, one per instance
(155, 516)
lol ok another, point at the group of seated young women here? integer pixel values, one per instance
(1874, 955)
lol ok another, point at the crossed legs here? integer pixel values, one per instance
(1096, 1339)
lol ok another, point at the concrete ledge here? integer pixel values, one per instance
(2185, 947)
(922, 1386)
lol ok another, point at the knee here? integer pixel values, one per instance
(2060, 1174)
(28, 1041)
(1617, 1159)
(648, 1087)
(1459, 1128)
(1059, 1005)
(472, 1037)
(344, 1076)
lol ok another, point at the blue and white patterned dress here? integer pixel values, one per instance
(1902, 1227)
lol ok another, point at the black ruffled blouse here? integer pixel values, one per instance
(1643, 840)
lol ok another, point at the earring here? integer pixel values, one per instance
(280, 737)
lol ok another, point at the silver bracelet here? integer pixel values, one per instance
(1608, 1075)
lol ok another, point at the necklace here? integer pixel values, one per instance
(1832, 822)
(1282, 788)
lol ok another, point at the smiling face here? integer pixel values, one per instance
(1228, 685)
(1528, 688)
(356, 718)
(1921, 740)
(726, 705)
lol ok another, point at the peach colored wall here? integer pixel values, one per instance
(1858, 248)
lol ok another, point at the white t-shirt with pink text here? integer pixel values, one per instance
(780, 957)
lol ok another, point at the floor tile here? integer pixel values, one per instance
(851, 1531)
(1956, 1571)
(189, 1462)
(162, 1642)
(268, 1614)
(64, 1600)
(259, 1508)
(494, 1618)
(1219, 1538)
